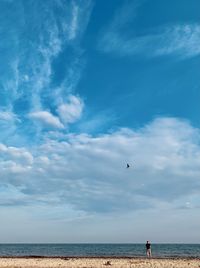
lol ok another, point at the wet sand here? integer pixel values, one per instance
(40, 262)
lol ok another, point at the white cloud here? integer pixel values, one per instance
(13, 153)
(72, 110)
(14, 168)
(47, 119)
(89, 173)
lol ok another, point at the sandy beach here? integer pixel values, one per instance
(97, 262)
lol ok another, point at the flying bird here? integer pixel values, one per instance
(127, 165)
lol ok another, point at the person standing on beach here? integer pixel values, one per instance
(148, 249)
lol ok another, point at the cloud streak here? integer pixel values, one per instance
(74, 22)
(180, 40)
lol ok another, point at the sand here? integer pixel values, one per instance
(97, 262)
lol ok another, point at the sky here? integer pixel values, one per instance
(87, 86)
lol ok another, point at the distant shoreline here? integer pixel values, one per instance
(101, 257)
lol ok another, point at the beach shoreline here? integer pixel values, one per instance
(99, 257)
(96, 262)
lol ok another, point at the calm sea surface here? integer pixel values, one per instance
(128, 250)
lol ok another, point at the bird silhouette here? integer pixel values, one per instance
(127, 165)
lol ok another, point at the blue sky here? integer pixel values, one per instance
(87, 86)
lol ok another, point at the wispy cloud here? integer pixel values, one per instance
(181, 40)
(31, 85)
(74, 21)
(8, 116)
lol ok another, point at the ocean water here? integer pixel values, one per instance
(106, 250)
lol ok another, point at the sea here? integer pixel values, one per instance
(100, 250)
